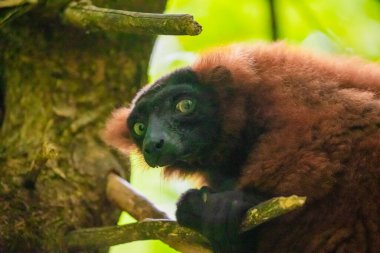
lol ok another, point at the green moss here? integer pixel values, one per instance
(61, 85)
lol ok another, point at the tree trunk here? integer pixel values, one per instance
(57, 86)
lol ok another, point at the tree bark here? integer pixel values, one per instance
(57, 85)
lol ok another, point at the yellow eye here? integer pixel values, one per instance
(139, 128)
(185, 106)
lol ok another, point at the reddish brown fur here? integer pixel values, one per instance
(322, 140)
(116, 133)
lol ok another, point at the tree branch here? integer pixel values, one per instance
(11, 9)
(269, 210)
(179, 238)
(182, 239)
(15, 3)
(126, 198)
(87, 16)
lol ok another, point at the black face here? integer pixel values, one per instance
(175, 121)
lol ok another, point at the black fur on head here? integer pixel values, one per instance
(168, 136)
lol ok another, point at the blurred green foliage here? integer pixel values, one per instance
(340, 26)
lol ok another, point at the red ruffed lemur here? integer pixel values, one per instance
(263, 121)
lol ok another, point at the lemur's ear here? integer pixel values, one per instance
(220, 74)
(116, 133)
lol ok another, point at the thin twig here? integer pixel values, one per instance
(273, 19)
(89, 17)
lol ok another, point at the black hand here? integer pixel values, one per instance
(215, 215)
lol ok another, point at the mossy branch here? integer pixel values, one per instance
(15, 3)
(270, 209)
(168, 231)
(179, 238)
(11, 9)
(84, 15)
